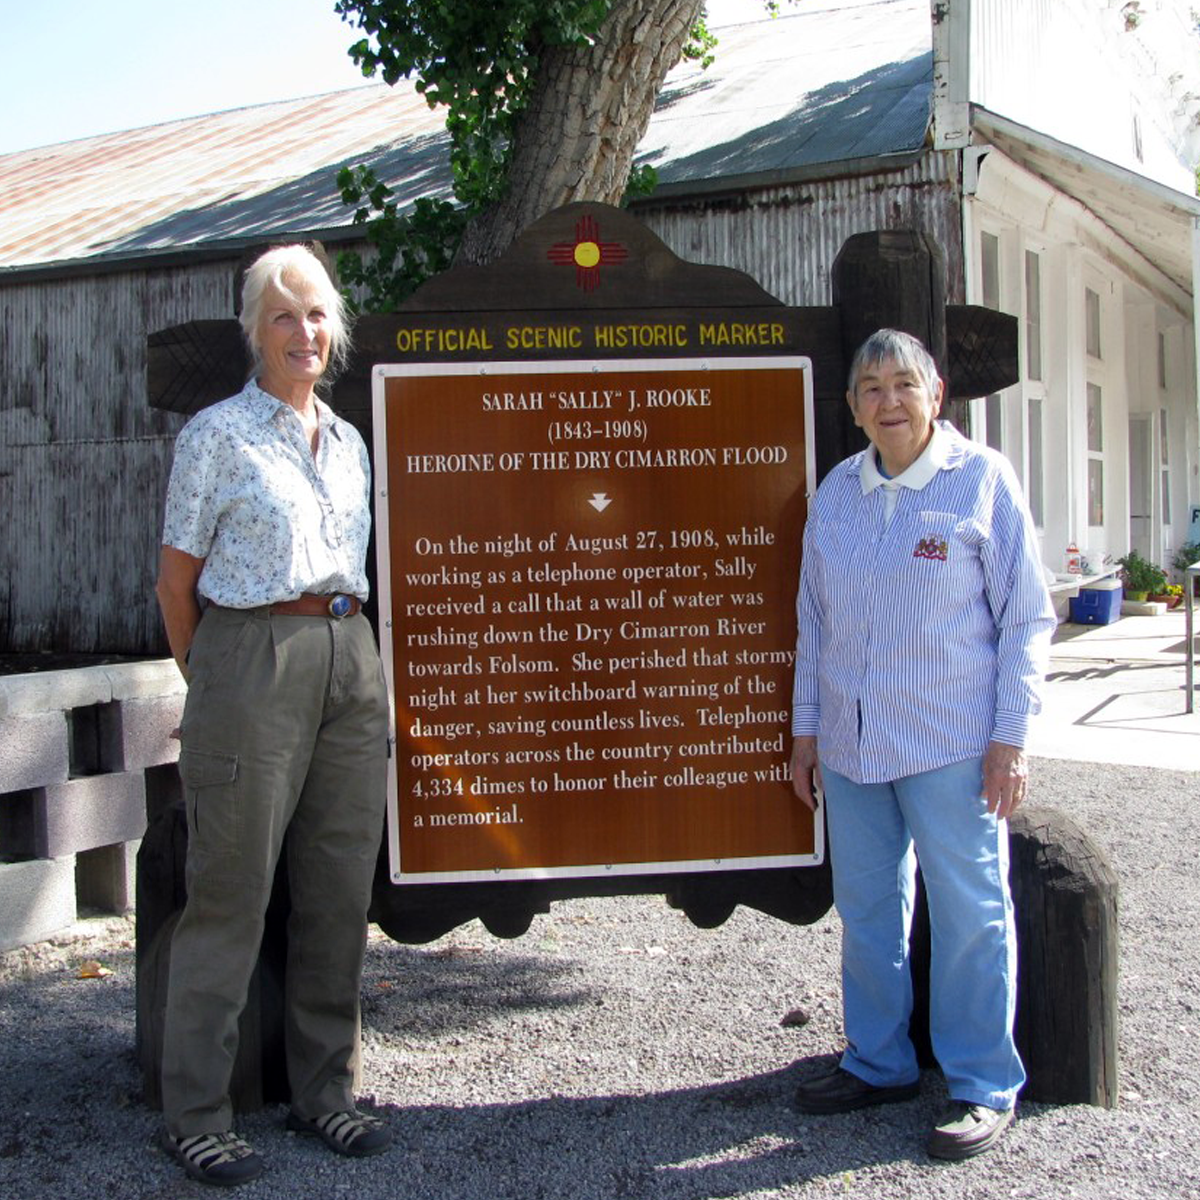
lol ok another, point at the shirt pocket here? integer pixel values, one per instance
(940, 551)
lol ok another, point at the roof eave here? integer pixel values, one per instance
(174, 256)
(987, 122)
(711, 188)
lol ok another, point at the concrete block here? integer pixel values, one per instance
(33, 751)
(106, 878)
(47, 691)
(145, 680)
(137, 733)
(37, 900)
(81, 814)
(1142, 608)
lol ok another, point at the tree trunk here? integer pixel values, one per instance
(589, 109)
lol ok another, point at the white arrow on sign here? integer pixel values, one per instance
(599, 501)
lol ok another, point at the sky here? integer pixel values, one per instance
(71, 69)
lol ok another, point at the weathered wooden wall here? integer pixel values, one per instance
(84, 460)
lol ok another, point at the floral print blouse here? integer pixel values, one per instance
(270, 519)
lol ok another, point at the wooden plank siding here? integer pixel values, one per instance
(83, 458)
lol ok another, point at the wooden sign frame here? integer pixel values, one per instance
(519, 507)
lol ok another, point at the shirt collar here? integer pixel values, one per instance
(928, 463)
(270, 407)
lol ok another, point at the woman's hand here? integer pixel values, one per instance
(1005, 778)
(806, 771)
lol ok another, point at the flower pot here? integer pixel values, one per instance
(1136, 597)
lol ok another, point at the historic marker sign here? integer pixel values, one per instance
(586, 584)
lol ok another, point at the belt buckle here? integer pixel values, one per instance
(340, 605)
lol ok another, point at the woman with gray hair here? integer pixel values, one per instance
(285, 727)
(924, 626)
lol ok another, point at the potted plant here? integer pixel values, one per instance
(1184, 557)
(1140, 577)
(1172, 595)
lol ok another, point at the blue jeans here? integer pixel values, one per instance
(877, 832)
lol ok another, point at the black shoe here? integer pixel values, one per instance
(839, 1091)
(351, 1132)
(218, 1158)
(965, 1130)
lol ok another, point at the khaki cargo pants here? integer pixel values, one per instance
(284, 731)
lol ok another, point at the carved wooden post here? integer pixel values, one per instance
(1065, 896)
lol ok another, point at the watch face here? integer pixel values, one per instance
(340, 606)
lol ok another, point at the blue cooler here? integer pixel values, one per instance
(1097, 604)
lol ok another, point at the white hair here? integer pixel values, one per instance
(293, 269)
(891, 345)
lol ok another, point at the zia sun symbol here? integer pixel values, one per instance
(588, 253)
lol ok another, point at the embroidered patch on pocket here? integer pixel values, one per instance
(932, 547)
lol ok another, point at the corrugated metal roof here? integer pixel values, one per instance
(827, 82)
(244, 173)
(851, 79)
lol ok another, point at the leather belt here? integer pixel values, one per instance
(338, 605)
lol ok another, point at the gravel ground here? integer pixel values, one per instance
(616, 1051)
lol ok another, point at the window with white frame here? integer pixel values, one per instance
(1095, 445)
(994, 408)
(989, 294)
(1033, 316)
(1164, 456)
(1164, 466)
(1092, 322)
(989, 269)
(1037, 486)
(1035, 390)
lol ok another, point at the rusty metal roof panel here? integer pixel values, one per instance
(828, 81)
(241, 173)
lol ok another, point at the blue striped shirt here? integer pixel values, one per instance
(923, 637)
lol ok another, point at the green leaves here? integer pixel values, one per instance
(642, 182)
(408, 250)
(701, 43)
(478, 60)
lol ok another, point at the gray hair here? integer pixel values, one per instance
(891, 345)
(289, 268)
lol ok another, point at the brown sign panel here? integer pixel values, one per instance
(587, 575)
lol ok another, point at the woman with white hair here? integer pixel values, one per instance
(924, 625)
(284, 731)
